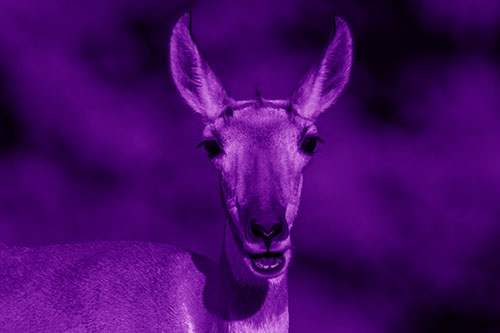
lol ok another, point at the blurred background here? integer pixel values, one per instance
(399, 227)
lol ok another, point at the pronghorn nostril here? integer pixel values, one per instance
(267, 232)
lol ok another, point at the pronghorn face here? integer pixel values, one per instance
(260, 147)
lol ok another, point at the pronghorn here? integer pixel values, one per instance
(260, 148)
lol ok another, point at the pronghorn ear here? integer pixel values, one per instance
(324, 83)
(193, 77)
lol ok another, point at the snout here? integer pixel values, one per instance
(266, 230)
(267, 243)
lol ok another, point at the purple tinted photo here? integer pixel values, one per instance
(102, 106)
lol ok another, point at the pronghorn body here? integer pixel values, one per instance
(260, 148)
(120, 287)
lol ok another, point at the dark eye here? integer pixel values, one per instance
(212, 147)
(309, 144)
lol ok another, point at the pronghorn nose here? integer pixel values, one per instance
(267, 231)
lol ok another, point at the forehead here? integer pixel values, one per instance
(259, 120)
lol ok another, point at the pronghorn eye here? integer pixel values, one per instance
(212, 147)
(309, 144)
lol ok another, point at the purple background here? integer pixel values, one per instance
(399, 224)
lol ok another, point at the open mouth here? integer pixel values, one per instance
(267, 263)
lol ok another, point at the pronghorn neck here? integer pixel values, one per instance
(249, 304)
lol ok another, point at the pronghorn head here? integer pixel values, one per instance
(260, 147)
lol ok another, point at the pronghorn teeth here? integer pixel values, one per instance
(267, 263)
